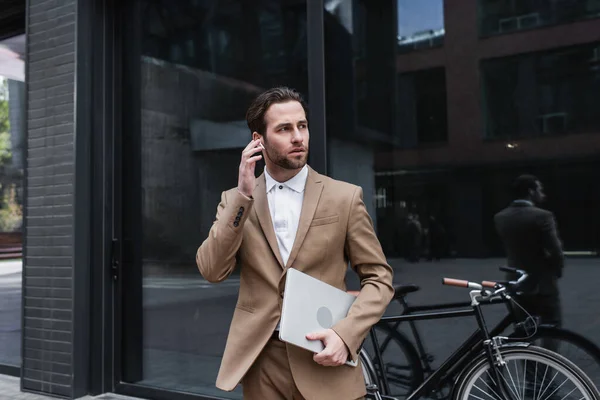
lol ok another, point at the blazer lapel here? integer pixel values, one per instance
(312, 193)
(261, 206)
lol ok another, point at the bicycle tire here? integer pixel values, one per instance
(370, 377)
(369, 374)
(400, 386)
(466, 384)
(591, 368)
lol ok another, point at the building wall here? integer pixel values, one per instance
(461, 54)
(183, 120)
(48, 266)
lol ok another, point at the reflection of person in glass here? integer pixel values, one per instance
(291, 216)
(532, 244)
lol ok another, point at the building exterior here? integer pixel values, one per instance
(130, 122)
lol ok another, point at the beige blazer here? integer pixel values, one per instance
(334, 230)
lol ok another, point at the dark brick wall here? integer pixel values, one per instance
(48, 278)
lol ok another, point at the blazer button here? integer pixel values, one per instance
(241, 209)
(240, 214)
(236, 224)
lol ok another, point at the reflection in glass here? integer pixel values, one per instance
(547, 93)
(433, 206)
(422, 107)
(12, 136)
(503, 16)
(202, 63)
(420, 24)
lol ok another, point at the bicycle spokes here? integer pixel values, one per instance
(527, 379)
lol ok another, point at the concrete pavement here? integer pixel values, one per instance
(10, 390)
(186, 319)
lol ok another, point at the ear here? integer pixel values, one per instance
(256, 135)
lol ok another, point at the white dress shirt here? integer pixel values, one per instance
(285, 205)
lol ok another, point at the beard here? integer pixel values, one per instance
(283, 161)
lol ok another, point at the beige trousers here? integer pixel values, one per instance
(270, 377)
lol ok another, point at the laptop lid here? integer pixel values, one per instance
(310, 305)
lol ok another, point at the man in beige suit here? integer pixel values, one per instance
(292, 217)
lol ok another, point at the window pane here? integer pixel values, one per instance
(12, 137)
(202, 63)
(504, 16)
(414, 129)
(545, 93)
(422, 107)
(420, 24)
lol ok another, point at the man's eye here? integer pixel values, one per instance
(303, 126)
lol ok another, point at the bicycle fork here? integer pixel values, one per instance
(497, 364)
(492, 347)
(374, 394)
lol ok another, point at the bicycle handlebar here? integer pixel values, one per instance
(461, 283)
(513, 286)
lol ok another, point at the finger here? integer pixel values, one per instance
(322, 356)
(254, 159)
(249, 164)
(251, 153)
(315, 336)
(323, 360)
(251, 145)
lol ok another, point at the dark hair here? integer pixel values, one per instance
(523, 184)
(255, 116)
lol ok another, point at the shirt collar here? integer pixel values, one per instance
(523, 202)
(297, 183)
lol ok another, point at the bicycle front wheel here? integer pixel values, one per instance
(530, 373)
(574, 347)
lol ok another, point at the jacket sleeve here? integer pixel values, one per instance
(552, 243)
(216, 257)
(367, 259)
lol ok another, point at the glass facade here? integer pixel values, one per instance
(201, 64)
(420, 24)
(434, 138)
(545, 93)
(12, 139)
(504, 16)
(420, 147)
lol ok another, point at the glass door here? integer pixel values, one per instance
(192, 68)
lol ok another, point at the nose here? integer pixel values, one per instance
(297, 136)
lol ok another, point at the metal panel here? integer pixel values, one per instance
(316, 85)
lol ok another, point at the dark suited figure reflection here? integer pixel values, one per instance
(437, 239)
(532, 244)
(414, 235)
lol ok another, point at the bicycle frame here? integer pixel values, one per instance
(411, 310)
(458, 360)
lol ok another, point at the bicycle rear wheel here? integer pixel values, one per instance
(530, 373)
(368, 370)
(576, 348)
(402, 366)
(370, 377)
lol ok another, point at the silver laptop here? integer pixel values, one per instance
(310, 305)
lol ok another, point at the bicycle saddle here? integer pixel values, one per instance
(403, 290)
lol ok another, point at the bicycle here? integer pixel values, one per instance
(406, 366)
(486, 366)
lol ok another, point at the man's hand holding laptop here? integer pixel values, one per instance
(335, 352)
